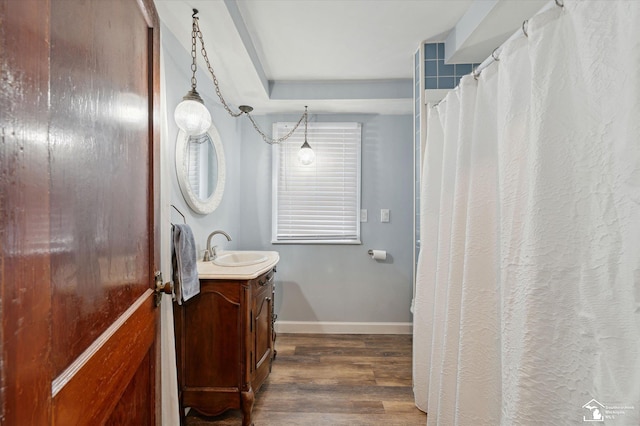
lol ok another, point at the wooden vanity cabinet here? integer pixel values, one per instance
(225, 345)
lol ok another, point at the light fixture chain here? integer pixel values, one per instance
(194, 66)
(197, 33)
(213, 75)
(272, 141)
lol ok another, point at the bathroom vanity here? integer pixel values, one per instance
(225, 338)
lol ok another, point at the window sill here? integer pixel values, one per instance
(323, 242)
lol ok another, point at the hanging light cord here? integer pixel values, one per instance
(194, 66)
(271, 140)
(305, 123)
(197, 33)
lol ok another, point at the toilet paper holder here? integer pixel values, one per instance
(377, 254)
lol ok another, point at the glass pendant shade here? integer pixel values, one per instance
(191, 115)
(306, 155)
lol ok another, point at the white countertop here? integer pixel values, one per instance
(211, 271)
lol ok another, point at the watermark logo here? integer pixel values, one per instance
(598, 412)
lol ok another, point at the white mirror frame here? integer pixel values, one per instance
(210, 204)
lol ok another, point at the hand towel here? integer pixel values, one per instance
(185, 271)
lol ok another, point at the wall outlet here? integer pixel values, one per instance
(384, 215)
(363, 215)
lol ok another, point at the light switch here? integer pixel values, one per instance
(363, 215)
(384, 215)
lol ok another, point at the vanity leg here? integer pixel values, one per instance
(248, 398)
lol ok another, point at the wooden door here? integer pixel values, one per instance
(79, 200)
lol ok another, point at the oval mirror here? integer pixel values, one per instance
(201, 169)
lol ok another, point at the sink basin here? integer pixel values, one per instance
(238, 265)
(240, 258)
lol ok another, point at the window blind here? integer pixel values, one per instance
(320, 202)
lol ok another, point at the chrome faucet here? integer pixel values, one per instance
(211, 253)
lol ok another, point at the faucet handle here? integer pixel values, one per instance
(207, 256)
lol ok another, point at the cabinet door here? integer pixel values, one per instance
(213, 336)
(262, 308)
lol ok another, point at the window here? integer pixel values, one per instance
(318, 203)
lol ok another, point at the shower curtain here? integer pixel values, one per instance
(527, 305)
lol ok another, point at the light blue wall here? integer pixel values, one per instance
(340, 282)
(314, 282)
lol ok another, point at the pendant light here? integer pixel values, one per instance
(306, 156)
(191, 115)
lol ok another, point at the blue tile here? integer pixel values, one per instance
(445, 69)
(431, 68)
(457, 80)
(463, 69)
(431, 83)
(430, 51)
(440, 50)
(446, 83)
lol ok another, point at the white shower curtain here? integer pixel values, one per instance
(528, 287)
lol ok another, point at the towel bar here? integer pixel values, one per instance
(180, 213)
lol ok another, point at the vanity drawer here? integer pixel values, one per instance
(263, 281)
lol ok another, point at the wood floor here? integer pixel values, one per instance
(334, 380)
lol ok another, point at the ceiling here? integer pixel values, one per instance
(337, 56)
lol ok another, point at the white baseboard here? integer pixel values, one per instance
(325, 327)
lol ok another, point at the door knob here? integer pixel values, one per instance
(161, 287)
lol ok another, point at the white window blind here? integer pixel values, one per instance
(318, 203)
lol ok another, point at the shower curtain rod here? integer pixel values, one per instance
(519, 33)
